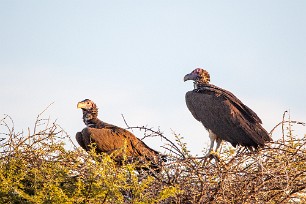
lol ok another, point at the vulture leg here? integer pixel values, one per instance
(219, 141)
(213, 137)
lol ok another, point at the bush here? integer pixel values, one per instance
(37, 168)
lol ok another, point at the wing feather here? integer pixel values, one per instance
(114, 138)
(224, 114)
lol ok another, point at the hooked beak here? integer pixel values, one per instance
(80, 105)
(190, 76)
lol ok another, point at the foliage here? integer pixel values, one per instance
(37, 168)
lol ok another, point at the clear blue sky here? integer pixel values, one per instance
(130, 57)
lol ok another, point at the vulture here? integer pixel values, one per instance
(223, 115)
(112, 139)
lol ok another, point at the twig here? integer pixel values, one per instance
(283, 134)
(282, 123)
(157, 133)
(38, 116)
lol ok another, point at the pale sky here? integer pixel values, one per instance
(130, 57)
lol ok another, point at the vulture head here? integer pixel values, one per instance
(90, 110)
(87, 105)
(199, 76)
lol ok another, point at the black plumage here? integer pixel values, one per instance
(223, 114)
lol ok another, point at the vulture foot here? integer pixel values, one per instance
(211, 155)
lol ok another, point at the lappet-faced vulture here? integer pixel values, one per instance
(112, 139)
(223, 114)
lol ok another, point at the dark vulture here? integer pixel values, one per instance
(112, 139)
(223, 115)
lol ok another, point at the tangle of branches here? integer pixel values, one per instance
(35, 167)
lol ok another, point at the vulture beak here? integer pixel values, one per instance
(191, 76)
(80, 105)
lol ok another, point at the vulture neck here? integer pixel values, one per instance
(90, 117)
(199, 84)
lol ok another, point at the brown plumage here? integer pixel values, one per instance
(223, 114)
(112, 139)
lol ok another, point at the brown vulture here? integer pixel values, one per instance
(112, 139)
(223, 115)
